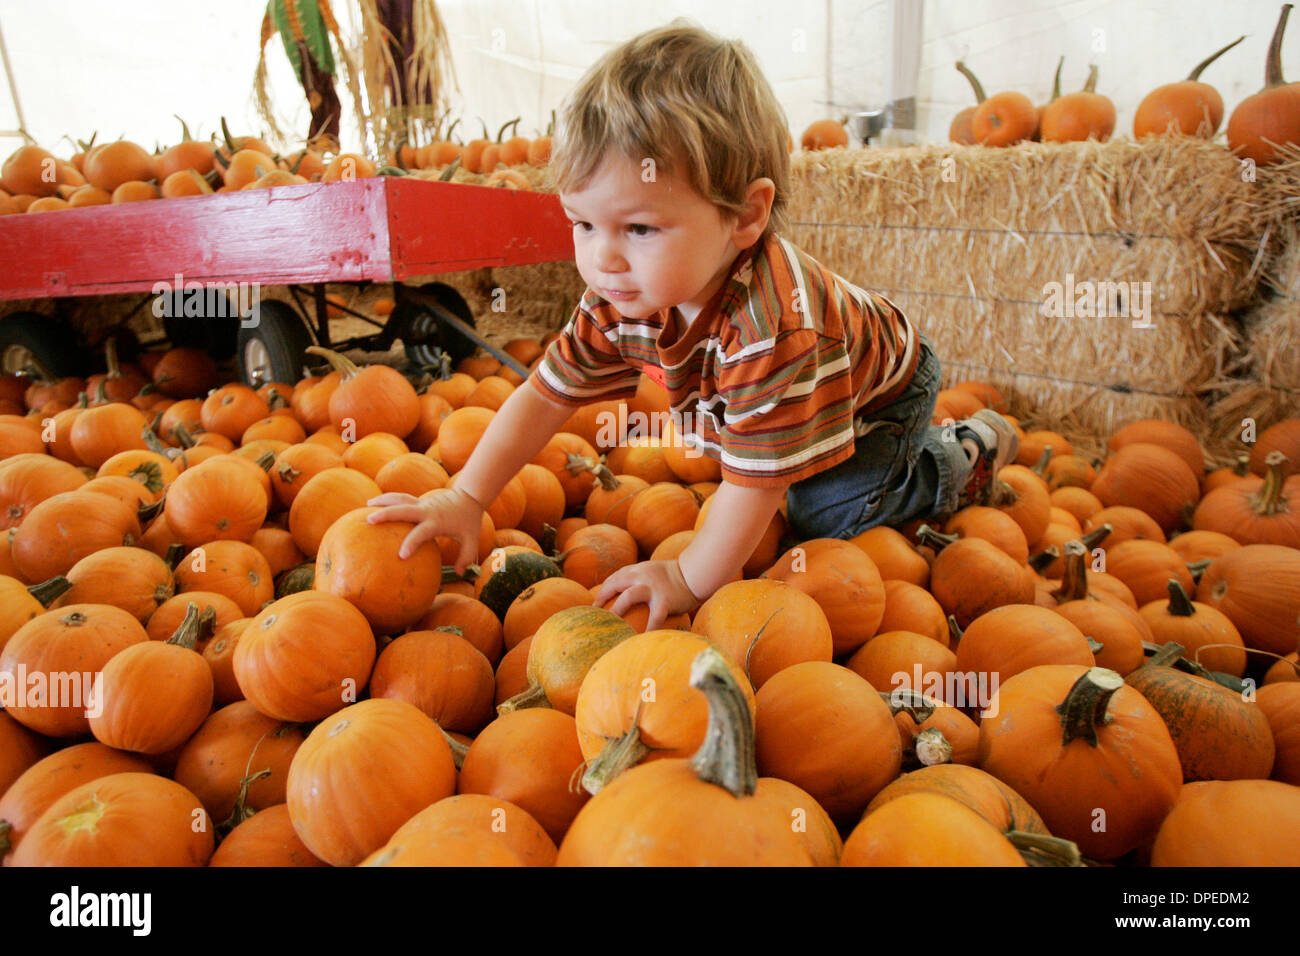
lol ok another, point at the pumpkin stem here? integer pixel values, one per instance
(47, 592)
(148, 512)
(5, 845)
(1180, 605)
(1001, 494)
(955, 633)
(340, 363)
(1241, 467)
(42, 370)
(295, 579)
(547, 539)
(1084, 708)
(1166, 655)
(241, 812)
(618, 754)
(931, 747)
(576, 464)
(1273, 66)
(1074, 578)
(1197, 568)
(110, 357)
(1195, 75)
(534, 696)
(975, 84)
(1041, 561)
(176, 551)
(1040, 466)
(458, 749)
(1038, 849)
(905, 700)
(1269, 499)
(1056, 80)
(1095, 537)
(195, 626)
(726, 758)
(449, 575)
(1091, 85)
(183, 436)
(449, 171)
(265, 460)
(927, 535)
(607, 479)
(502, 131)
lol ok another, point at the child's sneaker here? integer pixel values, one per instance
(992, 443)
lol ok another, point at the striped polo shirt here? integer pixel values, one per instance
(775, 377)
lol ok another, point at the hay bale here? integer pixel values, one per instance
(988, 249)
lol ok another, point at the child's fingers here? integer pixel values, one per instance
(399, 512)
(468, 552)
(391, 498)
(421, 533)
(611, 586)
(630, 597)
(657, 615)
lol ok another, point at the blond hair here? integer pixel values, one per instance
(696, 104)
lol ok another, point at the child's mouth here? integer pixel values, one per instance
(618, 296)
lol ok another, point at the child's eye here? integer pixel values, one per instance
(638, 229)
(581, 226)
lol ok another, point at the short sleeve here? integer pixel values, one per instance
(584, 364)
(789, 409)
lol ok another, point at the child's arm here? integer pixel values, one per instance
(519, 430)
(738, 517)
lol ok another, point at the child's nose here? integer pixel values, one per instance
(608, 257)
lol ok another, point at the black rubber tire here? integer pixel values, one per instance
(284, 335)
(429, 332)
(217, 335)
(49, 338)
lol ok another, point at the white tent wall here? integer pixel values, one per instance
(126, 66)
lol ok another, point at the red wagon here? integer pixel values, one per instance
(200, 263)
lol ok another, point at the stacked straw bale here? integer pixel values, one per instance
(969, 241)
(1264, 385)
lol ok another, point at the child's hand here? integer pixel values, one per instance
(448, 512)
(658, 584)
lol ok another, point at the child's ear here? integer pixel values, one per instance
(758, 208)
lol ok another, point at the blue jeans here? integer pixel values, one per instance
(904, 468)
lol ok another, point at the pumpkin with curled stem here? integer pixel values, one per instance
(1190, 107)
(709, 810)
(1270, 118)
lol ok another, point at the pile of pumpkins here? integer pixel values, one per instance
(34, 180)
(1096, 666)
(1258, 125)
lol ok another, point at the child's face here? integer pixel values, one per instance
(646, 246)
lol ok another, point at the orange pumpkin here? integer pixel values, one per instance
(364, 772)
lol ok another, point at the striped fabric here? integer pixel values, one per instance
(775, 377)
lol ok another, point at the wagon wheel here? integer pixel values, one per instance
(25, 336)
(274, 349)
(422, 334)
